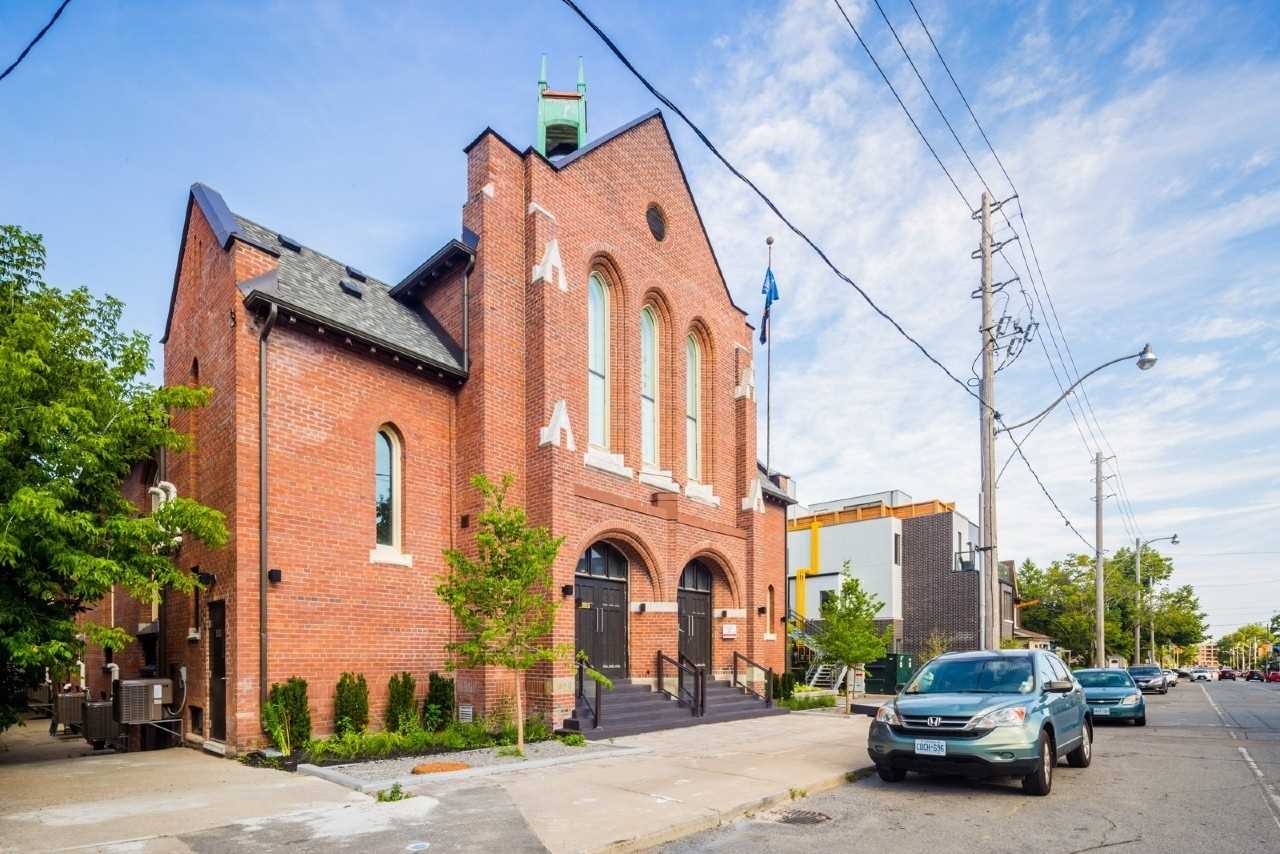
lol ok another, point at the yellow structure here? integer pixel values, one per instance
(814, 563)
(878, 510)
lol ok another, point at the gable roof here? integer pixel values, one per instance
(309, 284)
(566, 160)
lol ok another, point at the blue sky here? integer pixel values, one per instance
(1144, 138)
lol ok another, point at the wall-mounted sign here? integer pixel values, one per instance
(728, 630)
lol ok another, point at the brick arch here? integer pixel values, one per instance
(632, 545)
(719, 563)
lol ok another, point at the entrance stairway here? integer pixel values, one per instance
(630, 709)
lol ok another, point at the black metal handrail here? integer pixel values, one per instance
(597, 708)
(746, 684)
(681, 694)
(699, 683)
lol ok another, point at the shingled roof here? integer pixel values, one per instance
(311, 284)
(317, 288)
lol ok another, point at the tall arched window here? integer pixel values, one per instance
(693, 407)
(386, 489)
(649, 386)
(597, 363)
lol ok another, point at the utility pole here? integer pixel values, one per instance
(991, 560)
(1100, 612)
(1137, 619)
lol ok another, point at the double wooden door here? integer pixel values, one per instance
(694, 613)
(600, 626)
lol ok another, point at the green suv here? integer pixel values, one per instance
(996, 713)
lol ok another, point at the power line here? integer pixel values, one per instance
(702, 137)
(26, 50)
(1128, 515)
(902, 104)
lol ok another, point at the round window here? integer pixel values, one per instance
(657, 223)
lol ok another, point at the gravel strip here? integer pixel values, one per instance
(390, 769)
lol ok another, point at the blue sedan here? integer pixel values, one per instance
(1112, 694)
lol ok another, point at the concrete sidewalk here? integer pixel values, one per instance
(692, 779)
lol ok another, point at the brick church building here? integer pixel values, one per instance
(578, 334)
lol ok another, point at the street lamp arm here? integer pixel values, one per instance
(1071, 388)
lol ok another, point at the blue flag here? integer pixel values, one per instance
(770, 291)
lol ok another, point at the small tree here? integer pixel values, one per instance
(847, 634)
(351, 704)
(936, 645)
(502, 597)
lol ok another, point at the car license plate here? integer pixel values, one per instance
(930, 747)
(1101, 710)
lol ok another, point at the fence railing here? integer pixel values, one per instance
(596, 709)
(690, 686)
(767, 694)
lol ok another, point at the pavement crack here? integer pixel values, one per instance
(1102, 845)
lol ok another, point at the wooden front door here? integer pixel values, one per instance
(695, 626)
(218, 671)
(600, 626)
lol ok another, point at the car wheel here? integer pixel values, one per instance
(890, 774)
(1164, 691)
(1142, 721)
(1040, 780)
(1083, 754)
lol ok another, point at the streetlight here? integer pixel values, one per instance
(1146, 359)
(1139, 545)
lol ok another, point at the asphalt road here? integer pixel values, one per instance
(1202, 776)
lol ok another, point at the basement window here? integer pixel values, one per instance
(197, 720)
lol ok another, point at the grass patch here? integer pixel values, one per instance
(573, 739)
(394, 794)
(799, 703)
(510, 750)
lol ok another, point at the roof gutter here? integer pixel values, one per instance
(267, 325)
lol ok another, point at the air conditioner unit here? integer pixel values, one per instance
(67, 708)
(100, 724)
(138, 701)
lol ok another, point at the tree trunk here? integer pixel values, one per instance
(848, 689)
(519, 713)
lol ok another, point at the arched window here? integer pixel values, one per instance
(696, 576)
(603, 561)
(649, 387)
(597, 363)
(693, 407)
(386, 489)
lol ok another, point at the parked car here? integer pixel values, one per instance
(1201, 674)
(1149, 678)
(1112, 694)
(1171, 678)
(1273, 676)
(997, 713)
(1226, 673)
(1254, 676)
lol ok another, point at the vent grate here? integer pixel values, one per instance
(791, 815)
(356, 274)
(289, 243)
(351, 288)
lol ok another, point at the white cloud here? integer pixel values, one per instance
(1118, 183)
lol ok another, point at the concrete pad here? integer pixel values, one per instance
(58, 798)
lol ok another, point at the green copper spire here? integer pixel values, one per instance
(562, 116)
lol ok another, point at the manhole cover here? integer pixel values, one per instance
(794, 816)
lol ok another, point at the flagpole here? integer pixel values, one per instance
(768, 392)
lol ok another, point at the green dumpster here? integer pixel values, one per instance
(889, 674)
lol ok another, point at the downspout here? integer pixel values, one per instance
(267, 325)
(466, 312)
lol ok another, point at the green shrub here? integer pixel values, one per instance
(286, 716)
(535, 729)
(402, 709)
(437, 709)
(784, 686)
(394, 794)
(797, 704)
(573, 739)
(509, 750)
(351, 704)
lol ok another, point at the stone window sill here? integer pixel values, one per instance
(702, 492)
(389, 555)
(658, 479)
(770, 636)
(607, 462)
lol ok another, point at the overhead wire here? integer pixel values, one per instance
(706, 141)
(26, 50)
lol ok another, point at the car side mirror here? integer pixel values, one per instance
(1059, 686)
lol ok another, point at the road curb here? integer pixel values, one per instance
(718, 818)
(359, 784)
